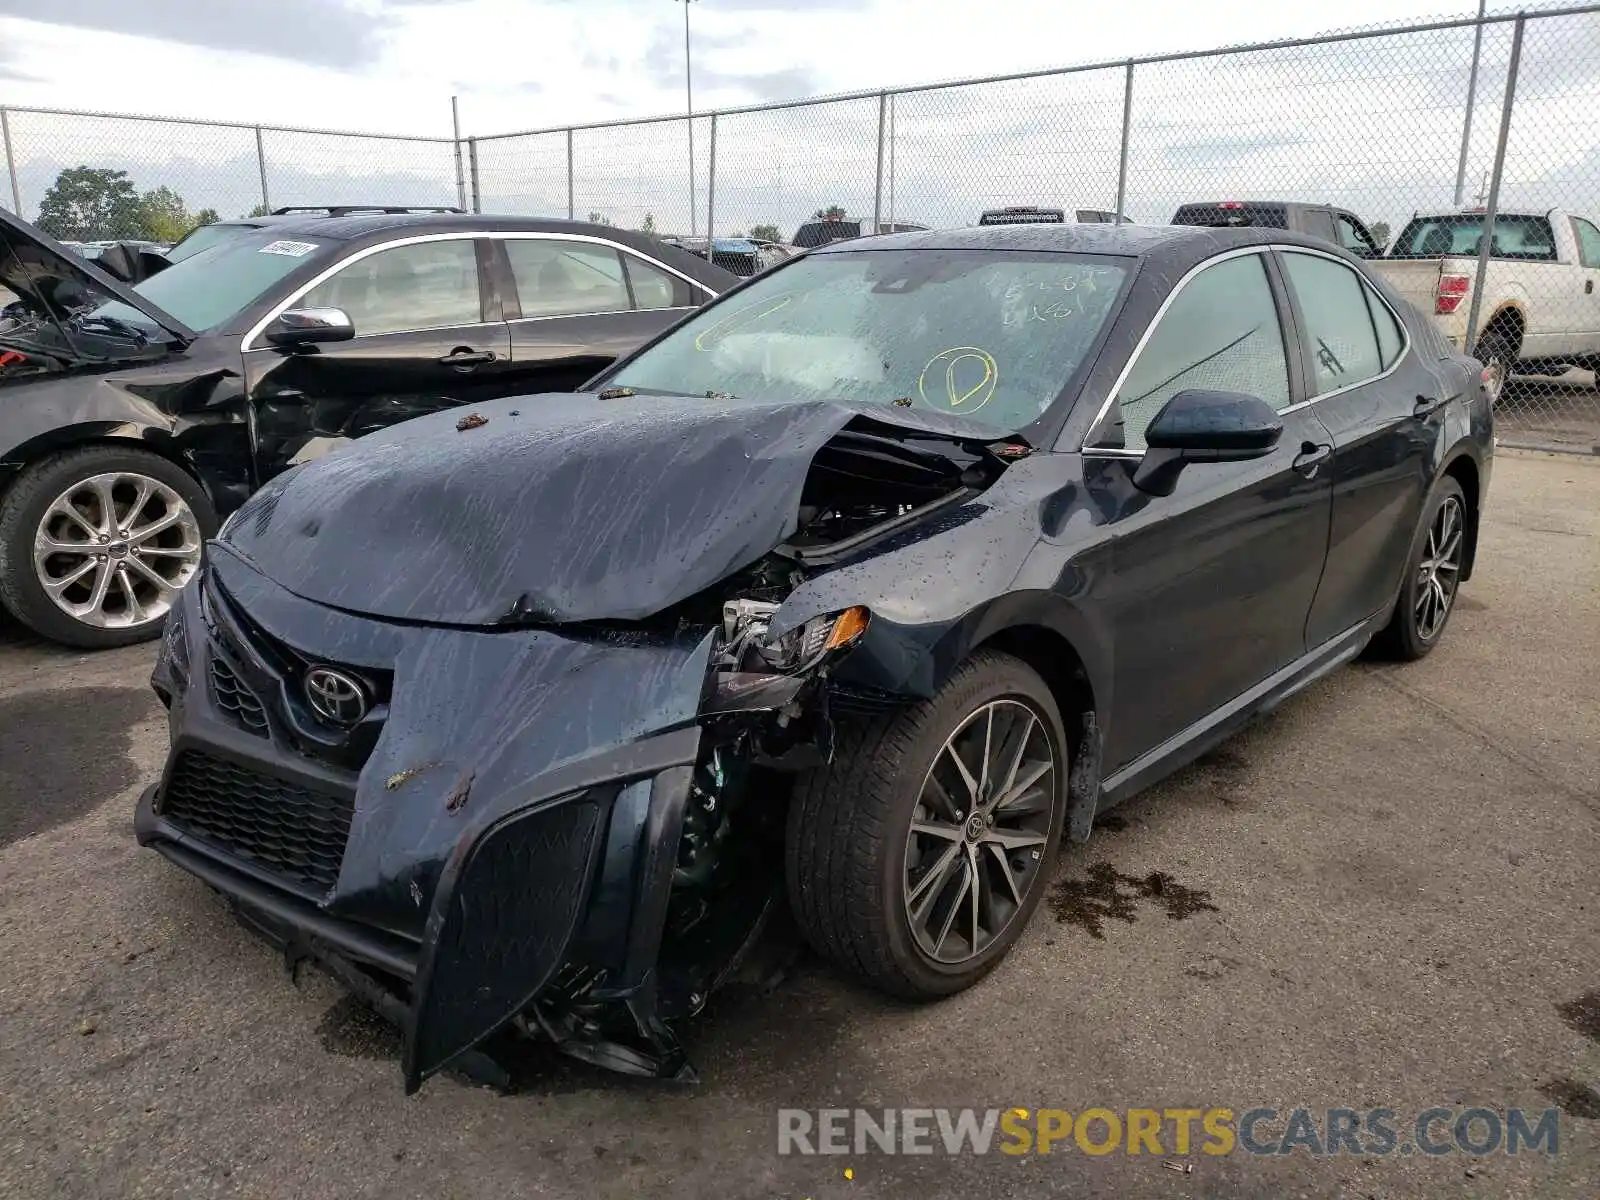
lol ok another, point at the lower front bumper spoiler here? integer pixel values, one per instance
(393, 955)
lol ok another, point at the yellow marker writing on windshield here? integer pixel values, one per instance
(748, 315)
(964, 389)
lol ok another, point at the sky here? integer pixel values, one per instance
(1374, 125)
(392, 65)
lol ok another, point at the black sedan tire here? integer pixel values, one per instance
(916, 857)
(95, 543)
(1433, 576)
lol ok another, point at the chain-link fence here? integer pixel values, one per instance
(1416, 139)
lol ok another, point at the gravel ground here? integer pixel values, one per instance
(1382, 895)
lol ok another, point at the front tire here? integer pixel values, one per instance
(95, 543)
(1432, 579)
(916, 857)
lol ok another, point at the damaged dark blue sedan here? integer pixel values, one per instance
(856, 591)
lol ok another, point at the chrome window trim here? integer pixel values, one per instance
(610, 312)
(1155, 322)
(1144, 340)
(245, 346)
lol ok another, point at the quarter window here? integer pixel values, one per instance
(565, 279)
(653, 287)
(426, 285)
(1390, 340)
(1339, 328)
(1221, 332)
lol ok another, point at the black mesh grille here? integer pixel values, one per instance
(282, 828)
(237, 700)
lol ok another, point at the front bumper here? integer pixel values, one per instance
(554, 890)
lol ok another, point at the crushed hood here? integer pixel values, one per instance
(555, 508)
(35, 265)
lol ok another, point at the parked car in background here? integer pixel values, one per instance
(1540, 301)
(1027, 214)
(203, 237)
(1336, 225)
(821, 231)
(132, 418)
(980, 531)
(742, 256)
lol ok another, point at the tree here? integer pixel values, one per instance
(649, 224)
(834, 212)
(765, 233)
(87, 204)
(164, 216)
(206, 216)
(1380, 233)
(597, 219)
(260, 210)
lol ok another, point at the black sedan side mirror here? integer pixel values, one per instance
(305, 326)
(1204, 426)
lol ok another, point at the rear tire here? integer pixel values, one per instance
(1432, 579)
(85, 536)
(869, 830)
(1497, 351)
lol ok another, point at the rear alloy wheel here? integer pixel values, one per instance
(96, 543)
(1497, 355)
(1433, 576)
(916, 857)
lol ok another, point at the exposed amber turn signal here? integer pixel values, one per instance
(852, 623)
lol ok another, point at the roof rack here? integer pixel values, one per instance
(346, 210)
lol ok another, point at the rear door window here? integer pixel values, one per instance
(1220, 332)
(1339, 325)
(655, 288)
(1588, 242)
(557, 278)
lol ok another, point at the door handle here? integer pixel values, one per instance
(1428, 404)
(464, 358)
(1312, 455)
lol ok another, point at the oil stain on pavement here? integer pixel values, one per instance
(1104, 893)
(66, 752)
(351, 1029)
(1583, 1014)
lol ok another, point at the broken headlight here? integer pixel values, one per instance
(745, 625)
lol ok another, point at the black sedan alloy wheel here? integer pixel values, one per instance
(979, 830)
(917, 855)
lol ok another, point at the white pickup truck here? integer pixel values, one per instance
(1540, 304)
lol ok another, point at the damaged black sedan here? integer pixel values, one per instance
(856, 592)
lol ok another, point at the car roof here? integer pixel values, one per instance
(1177, 247)
(376, 226)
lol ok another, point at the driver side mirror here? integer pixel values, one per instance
(306, 326)
(1204, 426)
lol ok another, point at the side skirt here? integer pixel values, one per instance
(1189, 744)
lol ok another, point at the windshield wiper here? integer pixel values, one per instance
(114, 325)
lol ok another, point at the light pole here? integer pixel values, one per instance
(688, 92)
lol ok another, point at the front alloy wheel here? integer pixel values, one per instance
(917, 855)
(979, 830)
(113, 550)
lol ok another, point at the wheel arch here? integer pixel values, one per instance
(1464, 469)
(114, 435)
(1509, 317)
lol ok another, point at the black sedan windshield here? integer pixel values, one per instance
(216, 284)
(989, 335)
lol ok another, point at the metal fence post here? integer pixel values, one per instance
(877, 184)
(461, 179)
(571, 202)
(261, 164)
(1486, 243)
(11, 162)
(1127, 124)
(892, 98)
(472, 168)
(1472, 99)
(711, 189)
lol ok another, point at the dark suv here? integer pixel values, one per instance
(1323, 221)
(822, 231)
(133, 418)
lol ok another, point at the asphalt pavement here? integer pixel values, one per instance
(1382, 895)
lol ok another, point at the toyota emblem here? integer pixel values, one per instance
(334, 696)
